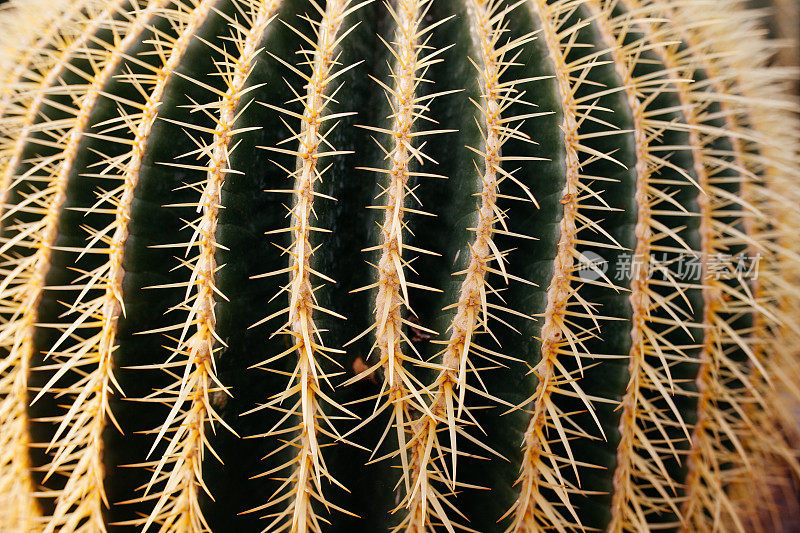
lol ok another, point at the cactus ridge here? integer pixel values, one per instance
(302, 486)
(474, 309)
(15, 479)
(285, 265)
(39, 235)
(722, 380)
(650, 378)
(744, 115)
(402, 391)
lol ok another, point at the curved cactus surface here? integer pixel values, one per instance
(403, 265)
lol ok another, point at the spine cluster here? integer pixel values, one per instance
(635, 401)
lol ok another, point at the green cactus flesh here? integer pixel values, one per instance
(419, 265)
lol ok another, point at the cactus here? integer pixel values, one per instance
(414, 265)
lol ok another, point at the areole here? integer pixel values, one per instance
(417, 265)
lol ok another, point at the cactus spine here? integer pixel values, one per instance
(284, 265)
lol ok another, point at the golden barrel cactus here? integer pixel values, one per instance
(402, 265)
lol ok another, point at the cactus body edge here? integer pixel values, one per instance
(414, 265)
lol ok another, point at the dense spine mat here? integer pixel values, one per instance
(405, 265)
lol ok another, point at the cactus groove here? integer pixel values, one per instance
(405, 265)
